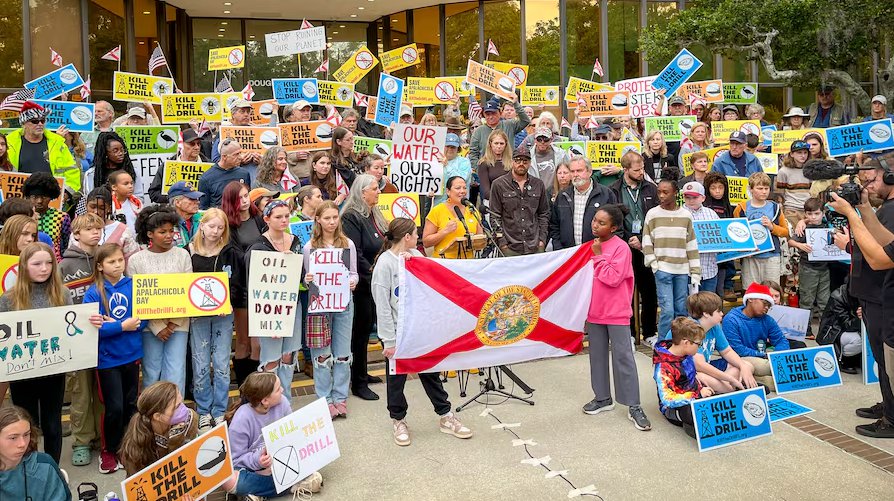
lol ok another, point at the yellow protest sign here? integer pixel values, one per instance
(577, 85)
(9, 271)
(518, 72)
(441, 90)
(721, 129)
(783, 139)
(338, 94)
(225, 58)
(174, 295)
(537, 95)
(606, 103)
(712, 154)
(769, 162)
(709, 90)
(228, 98)
(254, 139)
(183, 108)
(400, 58)
(405, 205)
(137, 88)
(737, 190)
(11, 184)
(306, 136)
(357, 65)
(176, 171)
(490, 80)
(602, 153)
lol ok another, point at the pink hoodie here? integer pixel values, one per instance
(612, 284)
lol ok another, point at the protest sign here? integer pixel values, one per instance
(709, 90)
(404, 205)
(602, 153)
(174, 295)
(56, 83)
(577, 85)
(273, 282)
(490, 80)
(804, 369)
(184, 108)
(518, 72)
(578, 148)
(388, 100)
(306, 136)
(227, 99)
(261, 111)
(867, 137)
(381, 147)
(677, 72)
(225, 58)
(9, 267)
(149, 146)
(712, 155)
(783, 139)
(823, 244)
(769, 162)
(730, 418)
(36, 343)
(792, 321)
(400, 58)
(439, 90)
(136, 88)
(870, 366)
(767, 135)
(740, 92)
(781, 408)
(761, 239)
(194, 470)
(11, 184)
(176, 171)
(723, 235)
(416, 166)
(721, 129)
(286, 43)
(300, 444)
(292, 90)
(302, 230)
(78, 117)
(356, 67)
(672, 128)
(537, 95)
(338, 94)
(644, 98)
(737, 189)
(330, 289)
(370, 108)
(254, 139)
(606, 103)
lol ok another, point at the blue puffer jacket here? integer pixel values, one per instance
(37, 477)
(117, 346)
(724, 165)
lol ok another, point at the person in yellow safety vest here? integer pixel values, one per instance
(35, 149)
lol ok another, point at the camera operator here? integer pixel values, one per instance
(872, 279)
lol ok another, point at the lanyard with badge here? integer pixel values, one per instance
(637, 225)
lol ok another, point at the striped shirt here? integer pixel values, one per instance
(580, 205)
(708, 259)
(669, 242)
(795, 187)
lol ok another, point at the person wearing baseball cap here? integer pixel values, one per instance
(32, 148)
(299, 161)
(737, 161)
(191, 151)
(406, 115)
(693, 198)
(545, 156)
(454, 165)
(676, 106)
(731, 112)
(240, 116)
(184, 198)
(519, 206)
(262, 196)
(493, 120)
(794, 119)
(825, 112)
(879, 109)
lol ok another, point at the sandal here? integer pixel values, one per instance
(81, 456)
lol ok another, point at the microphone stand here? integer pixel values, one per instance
(468, 247)
(488, 231)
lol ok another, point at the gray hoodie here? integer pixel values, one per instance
(385, 279)
(76, 269)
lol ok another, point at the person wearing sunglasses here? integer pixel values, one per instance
(33, 148)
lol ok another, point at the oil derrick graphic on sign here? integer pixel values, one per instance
(705, 425)
(207, 301)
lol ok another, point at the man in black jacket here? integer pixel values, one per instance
(190, 152)
(575, 207)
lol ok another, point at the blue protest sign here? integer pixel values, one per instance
(762, 239)
(730, 418)
(767, 135)
(301, 230)
(876, 135)
(723, 235)
(56, 83)
(804, 369)
(389, 100)
(870, 366)
(292, 90)
(781, 408)
(78, 117)
(677, 72)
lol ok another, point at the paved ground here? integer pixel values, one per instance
(604, 450)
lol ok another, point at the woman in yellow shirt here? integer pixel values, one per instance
(443, 227)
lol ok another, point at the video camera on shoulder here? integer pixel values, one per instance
(819, 169)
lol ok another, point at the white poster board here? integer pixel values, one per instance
(273, 281)
(330, 290)
(416, 158)
(824, 248)
(286, 43)
(792, 321)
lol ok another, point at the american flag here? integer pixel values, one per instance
(55, 58)
(597, 68)
(332, 117)
(323, 67)
(86, 92)
(113, 55)
(247, 92)
(157, 60)
(305, 24)
(16, 100)
(224, 85)
(491, 48)
(475, 110)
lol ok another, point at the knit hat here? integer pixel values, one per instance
(32, 110)
(757, 291)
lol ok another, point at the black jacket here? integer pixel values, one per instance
(234, 234)
(648, 198)
(230, 260)
(367, 239)
(561, 218)
(840, 316)
(155, 193)
(266, 245)
(654, 164)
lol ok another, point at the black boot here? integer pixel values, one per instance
(242, 367)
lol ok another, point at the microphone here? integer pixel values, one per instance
(818, 169)
(462, 219)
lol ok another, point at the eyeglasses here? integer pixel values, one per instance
(37, 121)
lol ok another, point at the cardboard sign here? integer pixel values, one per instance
(306, 136)
(400, 58)
(197, 468)
(184, 108)
(607, 103)
(709, 90)
(36, 343)
(823, 244)
(286, 43)
(419, 142)
(225, 58)
(338, 94)
(737, 189)
(574, 148)
(518, 72)
(603, 153)
(9, 267)
(174, 295)
(723, 235)
(769, 162)
(254, 139)
(176, 171)
(78, 117)
(540, 95)
(731, 418)
(870, 366)
(712, 155)
(381, 147)
(356, 67)
(11, 184)
(56, 83)
(740, 92)
(302, 230)
(844, 140)
(804, 369)
(406, 205)
(388, 100)
(490, 80)
(767, 135)
(292, 90)
(792, 321)
(417, 176)
(721, 129)
(577, 85)
(273, 282)
(671, 128)
(149, 146)
(439, 90)
(762, 239)
(136, 88)
(330, 289)
(370, 114)
(300, 444)
(677, 72)
(783, 139)
(261, 112)
(643, 97)
(781, 408)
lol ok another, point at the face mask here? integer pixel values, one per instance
(181, 414)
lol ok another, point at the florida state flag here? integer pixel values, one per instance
(460, 314)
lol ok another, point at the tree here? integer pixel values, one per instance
(798, 42)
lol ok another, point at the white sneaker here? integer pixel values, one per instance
(401, 433)
(206, 422)
(651, 340)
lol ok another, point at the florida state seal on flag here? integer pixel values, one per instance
(460, 314)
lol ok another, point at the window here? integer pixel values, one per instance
(462, 36)
(502, 24)
(146, 31)
(343, 40)
(623, 40)
(584, 39)
(106, 21)
(427, 35)
(736, 70)
(56, 24)
(657, 15)
(542, 35)
(262, 69)
(11, 50)
(209, 34)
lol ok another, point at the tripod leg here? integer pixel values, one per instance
(513, 376)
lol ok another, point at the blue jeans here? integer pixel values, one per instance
(332, 376)
(211, 339)
(672, 292)
(250, 482)
(709, 285)
(273, 349)
(165, 360)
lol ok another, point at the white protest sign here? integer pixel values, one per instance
(415, 159)
(286, 43)
(300, 444)
(35, 343)
(643, 98)
(330, 290)
(792, 321)
(824, 248)
(273, 281)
